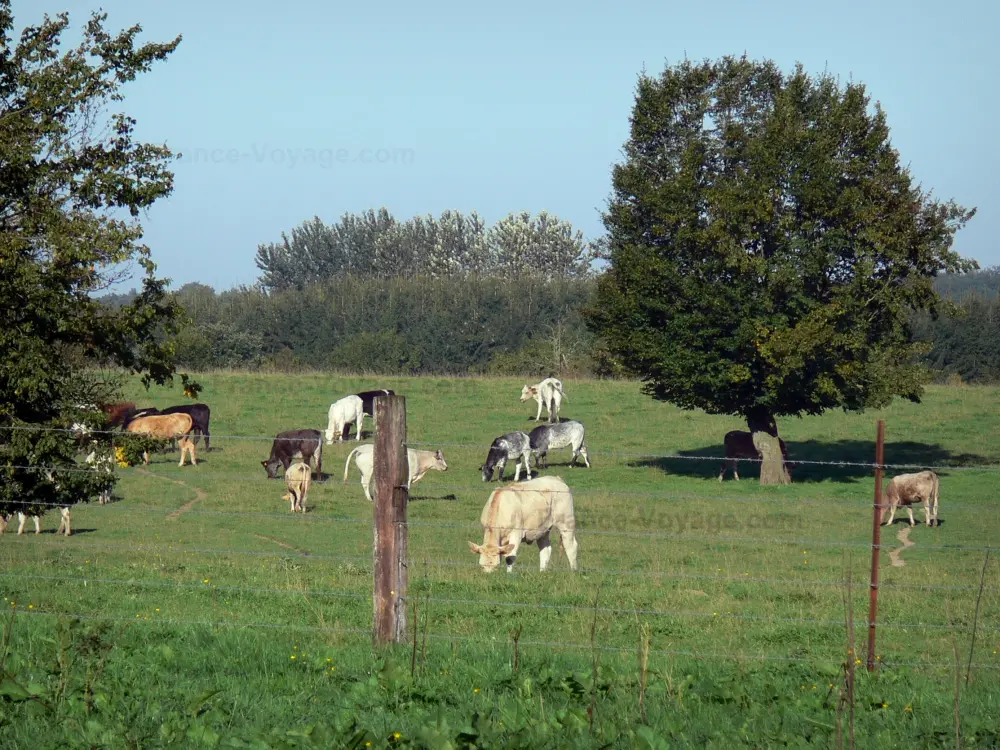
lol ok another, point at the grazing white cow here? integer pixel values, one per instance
(548, 393)
(348, 410)
(298, 477)
(419, 462)
(526, 512)
(908, 489)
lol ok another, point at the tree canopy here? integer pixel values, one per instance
(374, 244)
(73, 179)
(767, 248)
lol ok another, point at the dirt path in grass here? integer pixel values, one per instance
(904, 537)
(280, 543)
(199, 494)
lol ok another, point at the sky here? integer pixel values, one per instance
(286, 111)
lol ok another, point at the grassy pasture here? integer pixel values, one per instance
(209, 583)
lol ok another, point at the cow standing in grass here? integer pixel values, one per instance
(908, 489)
(298, 477)
(306, 443)
(549, 393)
(739, 444)
(569, 434)
(341, 415)
(526, 512)
(166, 427)
(419, 463)
(514, 446)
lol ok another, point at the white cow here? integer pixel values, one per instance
(906, 490)
(348, 410)
(419, 463)
(549, 392)
(526, 512)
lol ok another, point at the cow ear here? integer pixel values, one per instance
(475, 547)
(506, 549)
(440, 454)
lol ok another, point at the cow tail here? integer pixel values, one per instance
(347, 466)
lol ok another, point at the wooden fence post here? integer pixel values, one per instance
(876, 542)
(391, 472)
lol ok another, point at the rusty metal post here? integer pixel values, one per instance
(391, 472)
(876, 542)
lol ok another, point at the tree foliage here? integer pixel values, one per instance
(767, 249)
(374, 244)
(72, 181)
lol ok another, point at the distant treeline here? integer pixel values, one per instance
(450, 295)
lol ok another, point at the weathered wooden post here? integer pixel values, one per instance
(876, 541)
(391, 472)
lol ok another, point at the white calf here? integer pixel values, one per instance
(348, 410)
(548, 393)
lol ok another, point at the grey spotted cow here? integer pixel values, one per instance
(568, 434)
(514, 446)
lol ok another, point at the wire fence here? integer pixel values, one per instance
(363, 562)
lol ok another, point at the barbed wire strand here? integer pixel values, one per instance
(724, 656)
(476, 446)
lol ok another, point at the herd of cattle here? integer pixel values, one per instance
(522, 512)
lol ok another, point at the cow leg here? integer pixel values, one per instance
(3, 523)
(544, 550)
(538, 416)
(586, 458)
(567, 539)
(21, 520)
(512, 557)
(909, 512)
(365, 481)
(64, 522)
(736, 474)
(517, 469)
(892, 514)
(357, 427)
(526, 460)
(927, 514)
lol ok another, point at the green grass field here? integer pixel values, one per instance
(209, 615)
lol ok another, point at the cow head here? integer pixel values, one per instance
(440, 464)
(529, 391)
(490, 554)
(271, 467)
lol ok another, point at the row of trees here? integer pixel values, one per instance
(447, 326)
(374, 244)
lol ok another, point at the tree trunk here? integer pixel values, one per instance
(765, 439)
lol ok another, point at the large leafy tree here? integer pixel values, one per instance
(767, 247)
(73, 181)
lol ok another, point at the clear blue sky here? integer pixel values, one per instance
(519, 106)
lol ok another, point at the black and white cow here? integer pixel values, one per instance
(568, 434)
(514, 446)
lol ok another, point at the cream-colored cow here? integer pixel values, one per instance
(420, 462)
(549, 393)
(908, 489)
(298, 478)
(526, 512)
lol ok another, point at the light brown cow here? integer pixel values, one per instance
(298, 477)
(526, 512)
(420, 462)
(166, 426)
(906, 490)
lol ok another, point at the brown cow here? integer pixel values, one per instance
(907, 489)
(169, 427)
(739, 444)
(118, 413)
